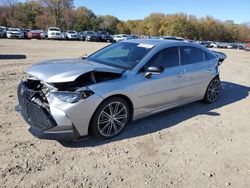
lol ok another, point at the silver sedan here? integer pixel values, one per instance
(100, 94)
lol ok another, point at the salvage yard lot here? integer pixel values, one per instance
(197, 145)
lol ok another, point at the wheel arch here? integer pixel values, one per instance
(216, 76)
(126, 98)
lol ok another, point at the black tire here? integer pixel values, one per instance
(98, 128)
(213, 91)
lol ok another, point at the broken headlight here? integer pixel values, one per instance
(72, 97)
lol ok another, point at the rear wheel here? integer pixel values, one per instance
(110, 118)
(213, 91)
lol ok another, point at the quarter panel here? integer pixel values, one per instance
(197, 77)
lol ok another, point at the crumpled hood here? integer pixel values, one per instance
(66, 70)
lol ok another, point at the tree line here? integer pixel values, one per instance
(41, 14)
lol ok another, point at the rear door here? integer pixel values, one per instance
(197, 70)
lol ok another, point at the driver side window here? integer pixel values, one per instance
(166, 58)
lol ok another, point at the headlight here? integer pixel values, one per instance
(72, 97)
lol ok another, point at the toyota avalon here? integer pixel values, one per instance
(100, 94)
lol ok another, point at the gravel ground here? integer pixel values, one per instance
(197, 145)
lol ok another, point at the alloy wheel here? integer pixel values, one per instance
(112, 119)
(213, 90)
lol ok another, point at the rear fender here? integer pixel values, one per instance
(221, 56)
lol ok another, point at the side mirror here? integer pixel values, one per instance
(84, 56)
(153, 70)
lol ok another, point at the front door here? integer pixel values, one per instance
(160, 90)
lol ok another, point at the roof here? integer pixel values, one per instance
(160, 42)
(154, 42)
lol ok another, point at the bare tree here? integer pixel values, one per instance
(57, 8)
(11, 4)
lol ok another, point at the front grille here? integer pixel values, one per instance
(37, 116)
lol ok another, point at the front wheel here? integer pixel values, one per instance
(213, 91)
(110, 118)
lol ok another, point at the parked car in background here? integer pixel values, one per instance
(132, 37)
(124, 81)
(222, 45)
(54, 33)
(72, 35)
(232, 46)
(241, 46)
(214, 44)
(3, 31)
(63, 35)
(15, 33)
(247, 48)
(171, 38)
(35, 34)
(206, 44)
(44, 35)
(25, 33)
(121, 37)
(82, 35)
(90, 36)
(104, 36)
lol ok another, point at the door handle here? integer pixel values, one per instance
(209, 69)
(180, 74)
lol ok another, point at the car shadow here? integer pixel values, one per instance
(12, 56)
(230, 93)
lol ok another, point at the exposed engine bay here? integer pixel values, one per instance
(41, 89)
(86, 79)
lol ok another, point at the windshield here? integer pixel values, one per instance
(15, 30)
(36, 31)
(90, 33)
(54, 29)
(123, 55)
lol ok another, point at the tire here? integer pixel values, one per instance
(213, 91)
(110, 118)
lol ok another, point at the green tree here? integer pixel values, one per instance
(84, 19)
(107, 23)
(122, 28)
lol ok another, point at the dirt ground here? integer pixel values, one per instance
(197, 145)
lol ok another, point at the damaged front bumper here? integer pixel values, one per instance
(58, 117)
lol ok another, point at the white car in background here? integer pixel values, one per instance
(14, 33)
(120, 37)
(72, 35)
(214, 44)
(54, 33)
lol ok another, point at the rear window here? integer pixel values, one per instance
(208, 56)
(191, 55)
(166, 58)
